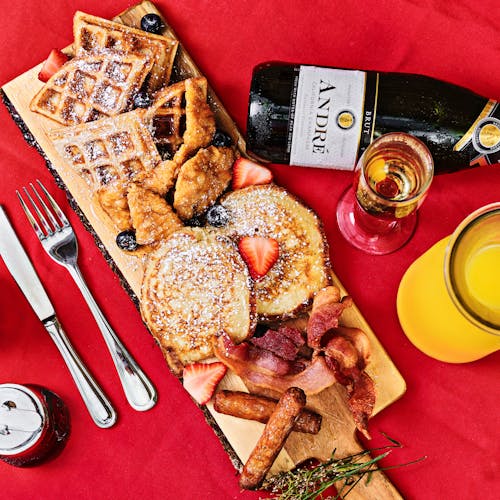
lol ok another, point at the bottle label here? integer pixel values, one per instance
(330, 120)
(483, 138)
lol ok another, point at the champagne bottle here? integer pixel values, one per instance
(326, 117)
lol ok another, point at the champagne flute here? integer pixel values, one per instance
(378, 214)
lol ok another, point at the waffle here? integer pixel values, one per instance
(303, 265)
(109, 153)
(196, 287)
(93, 35)
(202, 179)
(90, 87)
(182, 119)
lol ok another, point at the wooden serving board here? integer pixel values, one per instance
(237, 435)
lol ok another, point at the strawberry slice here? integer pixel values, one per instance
(201, 379)
(247, 173)
(55, 60)
(259, 253)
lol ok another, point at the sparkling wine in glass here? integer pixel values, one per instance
(378, 214)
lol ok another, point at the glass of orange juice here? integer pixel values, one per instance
(449, 299)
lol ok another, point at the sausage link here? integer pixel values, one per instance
(273, 438)
(259, 408)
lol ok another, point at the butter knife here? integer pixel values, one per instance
(24, 274)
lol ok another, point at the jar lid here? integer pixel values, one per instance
(22, 418)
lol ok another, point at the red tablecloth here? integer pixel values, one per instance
(449, 413)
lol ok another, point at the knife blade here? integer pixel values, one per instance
(24, 274)
(22, 269)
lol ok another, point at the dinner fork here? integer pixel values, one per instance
(59, 241)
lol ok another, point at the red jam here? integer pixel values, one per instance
(34, 424)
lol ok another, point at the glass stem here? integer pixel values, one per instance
(370, 223)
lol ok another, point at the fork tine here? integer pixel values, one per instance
(43, 220)
(31, 219)
(52, 219)
(54, 205)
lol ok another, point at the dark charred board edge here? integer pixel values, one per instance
(30, 139)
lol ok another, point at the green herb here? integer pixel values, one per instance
(304, 483)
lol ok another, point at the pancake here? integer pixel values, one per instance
(195, 288)
(303, 265)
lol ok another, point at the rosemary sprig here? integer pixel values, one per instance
(309, 483)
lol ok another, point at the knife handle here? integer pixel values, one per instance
(97, 403)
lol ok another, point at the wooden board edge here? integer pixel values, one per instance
(31, 140)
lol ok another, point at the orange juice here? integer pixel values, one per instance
(482, 275)
(449, 299)
(430, 319)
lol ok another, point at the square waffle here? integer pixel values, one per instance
(182, 119)
(87, 88)
(109, 153)
(94, 34)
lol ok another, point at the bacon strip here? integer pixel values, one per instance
(276, 361)
(360, 341)
(279, 343)
(347, 351)
(325, 314)
(361, 401)
(343, 352)
(313, 379)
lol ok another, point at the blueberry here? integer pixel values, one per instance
(142, 100)
(152, 23)
(221, 139)
(217, 216)
(126, 240)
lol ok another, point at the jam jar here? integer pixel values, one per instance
(34, 424)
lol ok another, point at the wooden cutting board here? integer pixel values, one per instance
(238, 436)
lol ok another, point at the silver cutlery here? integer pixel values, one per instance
(59, 241)
(22, 270)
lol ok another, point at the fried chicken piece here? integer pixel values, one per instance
(201, 180)
(113, 200)
(152, 217)
(161, 179)
(200, 121)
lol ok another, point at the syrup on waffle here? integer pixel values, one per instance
(87, 88)
(94, 34)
